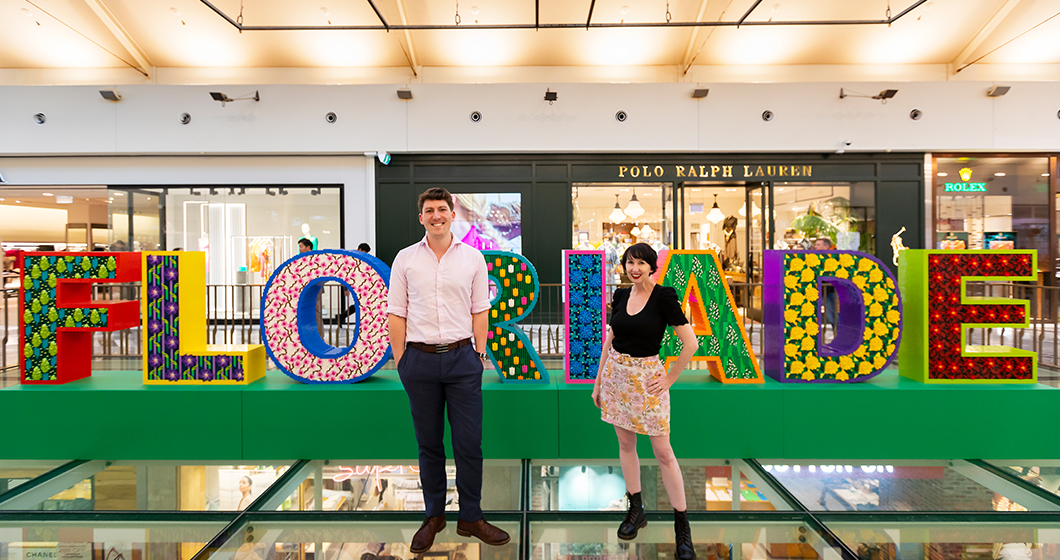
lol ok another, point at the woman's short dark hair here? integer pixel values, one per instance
(644, 252)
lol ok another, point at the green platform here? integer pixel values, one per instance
(112, 416)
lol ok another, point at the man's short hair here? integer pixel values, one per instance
(306, 242)
(435, 193)
(826, 240)
(364, 248)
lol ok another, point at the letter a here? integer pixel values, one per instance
(696, 275)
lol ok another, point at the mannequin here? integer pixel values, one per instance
(730, 253)
(309, 236)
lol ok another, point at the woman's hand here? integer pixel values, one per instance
(659, 384)
(596, 394)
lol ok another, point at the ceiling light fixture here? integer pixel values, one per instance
(997, 91)
(942, 174)
(883, 96)
(999, 174)
(715, 215)
(47, 194)
(29, 14)
(324, 10)
(634, 209)
(700, 93)
(61, 199)
(551, 96)
(218, 96)
(110, 95)
(616, 215)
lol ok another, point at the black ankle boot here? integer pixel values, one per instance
(635, 519)
(683, 536)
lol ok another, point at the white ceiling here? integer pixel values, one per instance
(48, 34)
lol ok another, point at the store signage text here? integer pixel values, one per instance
(870, 319)
(965, 187)
(715, 171)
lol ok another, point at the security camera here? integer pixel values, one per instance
(621, 116)
(847, 142)
(185, 118)
(475, 116)
(331, 118)
(767, 115)
(40, 118)
(916, 114)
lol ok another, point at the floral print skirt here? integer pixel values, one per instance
(624, 398)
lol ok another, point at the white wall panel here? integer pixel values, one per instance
(662, 118)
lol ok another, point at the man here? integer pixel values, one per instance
(439, 297)
(350, 309)
(825, 244)
(305, 246)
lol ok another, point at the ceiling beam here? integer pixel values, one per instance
(414, 63)
(379, 15)
(590, 18)
(115, 27)
(977, 40)
(747, 13)
(686, 60)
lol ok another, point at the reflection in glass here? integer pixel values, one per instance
(104, 540)
(889, 486)
(713, 541)
(1008, 541)
(598, 486)
(160, 486)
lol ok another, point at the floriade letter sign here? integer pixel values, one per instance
(58, 316)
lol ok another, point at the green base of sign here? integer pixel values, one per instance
(112, 416)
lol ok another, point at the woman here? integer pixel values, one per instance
(246, 487)
(632, 386)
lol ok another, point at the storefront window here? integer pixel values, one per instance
(993, 204)
(613, 216)
(842, 212)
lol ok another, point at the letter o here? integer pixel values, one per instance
(634, 171)
(288, 316)
(658, 171)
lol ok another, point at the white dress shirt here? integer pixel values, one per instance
(438, 296)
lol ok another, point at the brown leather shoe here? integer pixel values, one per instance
(482, 531)
(423, 540)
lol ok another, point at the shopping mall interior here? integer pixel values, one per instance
(233, 130)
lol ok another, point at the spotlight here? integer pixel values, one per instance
(404, 93)
(231, 191)
(269, 192)
(242, 190)
(997, 91)
(193, 192)
(383, 157)
(110, 95)
(218, 96)
(551, 96)
(882, 96)
(315, 191)
(699, 93)
(283, 191)
(2, 179)
(213, 191)
(583, 468)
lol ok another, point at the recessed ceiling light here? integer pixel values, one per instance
(1045, 174)
(18, 202)
(119, 194)
(731, 190)
(176, 13)
(47, 194)
(942, 174)
(1, 200)
(624, 10)
(474, 10)
(999, 174)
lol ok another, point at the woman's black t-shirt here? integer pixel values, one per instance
(641, 335)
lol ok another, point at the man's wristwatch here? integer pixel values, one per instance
(482, 355)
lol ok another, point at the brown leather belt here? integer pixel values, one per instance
(438, 348)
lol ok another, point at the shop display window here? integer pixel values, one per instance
(992, 203)
(396, 487)
(1043, 474)
(161, 486)
(572, 486)
(842, 212)
(894, 486)
(104, 540)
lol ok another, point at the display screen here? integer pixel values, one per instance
(489, 221)
(1000, 240)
